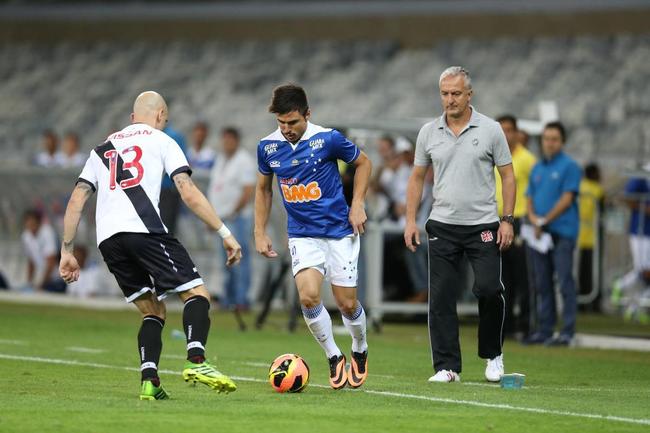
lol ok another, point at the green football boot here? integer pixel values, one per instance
(149, 391)
(207, 374)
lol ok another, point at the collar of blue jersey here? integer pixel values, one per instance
(310, 131)
(474, 119)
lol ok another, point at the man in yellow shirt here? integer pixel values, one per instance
(514, 268)
(590, 201)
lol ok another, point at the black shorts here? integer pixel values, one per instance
(145, 262)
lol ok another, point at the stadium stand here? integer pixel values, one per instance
(230, 82)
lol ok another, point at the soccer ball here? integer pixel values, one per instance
(289, 373)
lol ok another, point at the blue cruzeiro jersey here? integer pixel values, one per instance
(309, 180)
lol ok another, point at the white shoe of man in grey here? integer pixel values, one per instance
(494, 369)
(444, 376)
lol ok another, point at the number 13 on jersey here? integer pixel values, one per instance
(113, 157)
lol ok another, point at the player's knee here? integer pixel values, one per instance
(155, 308)
(347, 306)
(309, 301)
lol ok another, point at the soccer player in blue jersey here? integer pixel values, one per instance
(323, 231)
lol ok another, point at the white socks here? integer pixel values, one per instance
(319, 323)
(356, 325)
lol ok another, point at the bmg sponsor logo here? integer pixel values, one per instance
(300, 193)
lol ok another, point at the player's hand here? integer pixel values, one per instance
(68, 267)
(264, 246)
(357, 218)
(411, 236)
(505, 235)
(233, 250)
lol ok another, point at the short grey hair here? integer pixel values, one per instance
(453, 71)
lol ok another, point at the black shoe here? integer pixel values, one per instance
(358, 369)
(338, 374)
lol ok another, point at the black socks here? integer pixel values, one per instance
(149, 347)
(196, 322)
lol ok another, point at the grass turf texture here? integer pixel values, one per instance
(49, 397)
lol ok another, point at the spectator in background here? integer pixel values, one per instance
(552, 207)
(514, 264)
(523, 137)
(70, 156)
(232, 184)
(41, 247)
(170, 200)
(393, 173)
(590, 205)
(200, 156)
(637, 198)
(49, 156)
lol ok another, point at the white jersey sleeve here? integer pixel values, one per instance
(174, 159)
(88, 174)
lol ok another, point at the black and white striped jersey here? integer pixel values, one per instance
(126, 171)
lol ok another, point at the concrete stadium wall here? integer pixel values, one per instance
(407, 30)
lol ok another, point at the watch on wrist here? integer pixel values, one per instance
(508, 219)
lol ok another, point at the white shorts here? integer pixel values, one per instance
(336, 259)
(640, 246)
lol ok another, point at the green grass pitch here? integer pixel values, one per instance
(75, 370)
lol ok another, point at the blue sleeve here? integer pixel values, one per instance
(636, 185)
(262, 165)
(342, 148)
(572, 178)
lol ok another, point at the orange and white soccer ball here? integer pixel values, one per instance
(289, 373)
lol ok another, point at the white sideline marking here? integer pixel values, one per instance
(642, 421)
(14, 342)
(84, 349)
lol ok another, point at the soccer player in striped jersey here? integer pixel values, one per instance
(148, 263)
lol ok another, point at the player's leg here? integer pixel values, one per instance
(173, 270)
(150, 345)
(484, 256)
(308, 266)
(341, 269)
(196, 323)
(136, 285)
(319, 322)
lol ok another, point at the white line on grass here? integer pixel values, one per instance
(642, 421)
(81, 349)
(14, 342)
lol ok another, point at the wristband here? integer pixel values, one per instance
(541, 222)
(223, 231)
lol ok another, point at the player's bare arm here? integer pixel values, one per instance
(263, 200)
(68, 267)
(413, 195)
(362, 173)
(199, 204)
(506, 232)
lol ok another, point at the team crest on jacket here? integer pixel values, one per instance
(486, 236)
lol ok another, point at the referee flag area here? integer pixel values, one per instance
(76, 366)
